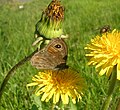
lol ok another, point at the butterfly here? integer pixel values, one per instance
(52, 56)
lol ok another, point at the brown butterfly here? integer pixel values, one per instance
(52, 56)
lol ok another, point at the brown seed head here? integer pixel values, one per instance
(55, 11)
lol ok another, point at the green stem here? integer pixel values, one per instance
(11, 72)
(73, 106)
(57, 106)
(111, 89)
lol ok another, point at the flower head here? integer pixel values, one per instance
(105, 52)
(58, 84)
(50, 24)
(55, 11)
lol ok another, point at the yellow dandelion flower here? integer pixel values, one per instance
(59, 84)
(105, 52)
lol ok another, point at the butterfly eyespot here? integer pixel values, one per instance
(58, 46)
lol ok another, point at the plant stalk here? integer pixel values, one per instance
(11, 72)
(112, 83)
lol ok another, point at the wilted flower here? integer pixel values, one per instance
(59, 84)
(50, 24)
(105, 52)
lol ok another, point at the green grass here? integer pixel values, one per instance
(82, 18)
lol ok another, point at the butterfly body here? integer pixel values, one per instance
(53, 56)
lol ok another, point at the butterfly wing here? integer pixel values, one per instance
(53, 56)
(57, 48)
(43, 60)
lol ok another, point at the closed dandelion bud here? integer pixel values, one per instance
(50, 24)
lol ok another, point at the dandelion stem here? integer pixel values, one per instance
(11, 72)
(110, 90)
(57, 106)
(73, 106)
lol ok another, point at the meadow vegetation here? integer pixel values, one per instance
(82, 20)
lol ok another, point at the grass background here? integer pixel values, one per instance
(82, 18)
